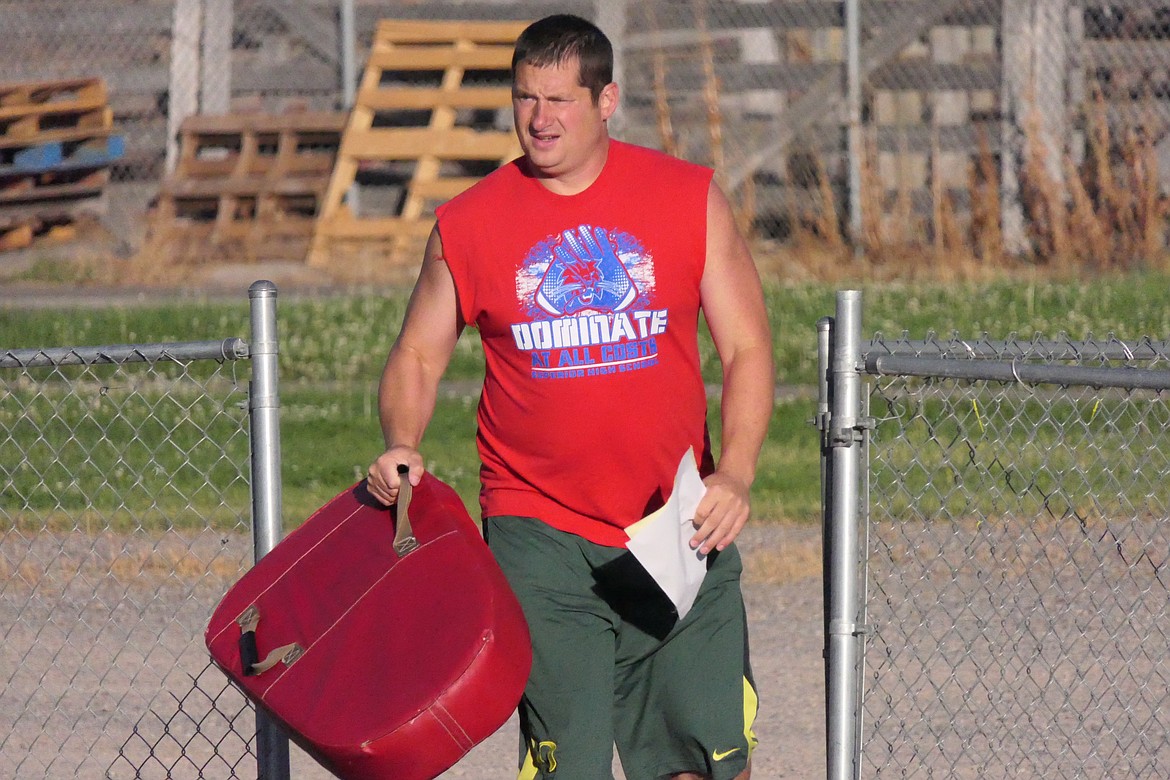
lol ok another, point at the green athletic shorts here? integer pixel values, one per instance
(612, 664)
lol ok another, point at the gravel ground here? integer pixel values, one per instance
(1013, 648)
(103, 671)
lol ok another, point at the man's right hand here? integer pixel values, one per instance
(383, 474)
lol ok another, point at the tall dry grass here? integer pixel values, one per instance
(1108, 211)
(744, 199)
(1102, 212)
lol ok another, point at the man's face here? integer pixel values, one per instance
(561, 130)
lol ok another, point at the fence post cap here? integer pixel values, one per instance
(262, 288)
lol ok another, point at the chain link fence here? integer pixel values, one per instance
(124, 517)
(1013, 581)
(975, 127)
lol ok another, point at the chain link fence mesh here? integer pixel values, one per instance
(124, 517)
(986, 126)
(1017, 568)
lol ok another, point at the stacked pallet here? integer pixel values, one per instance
(56, 146)
(429, 120)
(246, 186)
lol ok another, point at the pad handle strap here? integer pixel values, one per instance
(404, 541)
(250, 661)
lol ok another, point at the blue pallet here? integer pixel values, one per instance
(64, 156)
(36, 158)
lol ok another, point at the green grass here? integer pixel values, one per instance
(333, 348)
(345, 338)
(980, 450)
(330, 438)
(142, 450)
(330, 447)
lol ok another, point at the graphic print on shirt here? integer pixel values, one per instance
(587, 294)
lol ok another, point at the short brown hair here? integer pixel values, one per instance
(561, 37)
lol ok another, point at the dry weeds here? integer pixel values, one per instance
(1105, 213)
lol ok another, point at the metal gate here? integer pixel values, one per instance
(127, 474)
(996, 549)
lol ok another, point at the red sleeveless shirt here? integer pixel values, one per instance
(587, 306)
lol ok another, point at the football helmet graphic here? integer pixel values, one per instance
(585, 273)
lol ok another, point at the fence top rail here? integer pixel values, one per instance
(1038, 348)
(1022, 372)
(178, 352)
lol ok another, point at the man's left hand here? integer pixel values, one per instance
(722, 513)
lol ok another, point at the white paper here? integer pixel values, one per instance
(661, 540)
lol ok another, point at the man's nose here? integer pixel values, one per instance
(540, 114)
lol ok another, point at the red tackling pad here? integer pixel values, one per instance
(382, 665)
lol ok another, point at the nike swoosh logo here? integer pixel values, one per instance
(720, 756)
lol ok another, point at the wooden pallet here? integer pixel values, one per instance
(250, 185)
(418, 121)
(28, 110)
(56, 172)
(56, 146)
(59, 155)
(15, 236)
(46, 225)
(64, 186)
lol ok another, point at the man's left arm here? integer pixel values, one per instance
(733, 304)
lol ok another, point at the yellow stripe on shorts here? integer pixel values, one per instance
(751, 707)
(539, 756)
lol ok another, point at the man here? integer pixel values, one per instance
(584, 265)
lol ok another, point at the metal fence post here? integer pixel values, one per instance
(844, 441)
(348, 38)
(272, 756)
(822, 421)
(854, 144)
(183, 89)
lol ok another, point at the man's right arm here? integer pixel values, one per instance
(410, 381)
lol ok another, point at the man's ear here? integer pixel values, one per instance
(607, 101)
